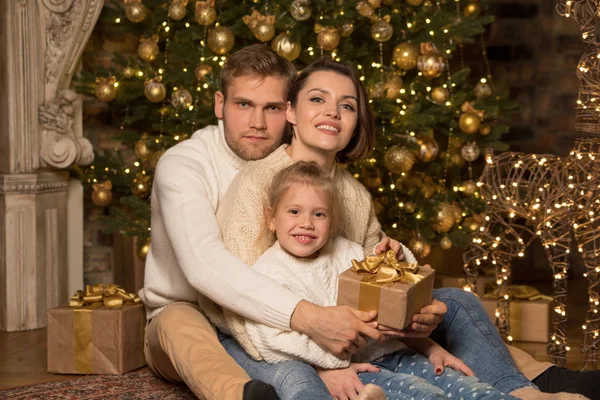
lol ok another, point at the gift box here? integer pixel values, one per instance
(397, 290)
(529, 319)
(443, 281)
(92, 336)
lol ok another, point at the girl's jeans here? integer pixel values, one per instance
(466, 331)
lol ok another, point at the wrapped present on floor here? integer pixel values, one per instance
(396, 289)
(443, 281)
(529, 313)
(100, 332)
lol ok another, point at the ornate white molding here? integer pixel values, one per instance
(60, 146)
(43, 182)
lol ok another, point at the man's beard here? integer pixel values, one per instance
(249, 151)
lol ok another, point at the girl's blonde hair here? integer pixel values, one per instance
(301, 173)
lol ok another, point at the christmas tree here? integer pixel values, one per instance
(434, 117)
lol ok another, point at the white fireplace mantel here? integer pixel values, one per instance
(40, 133)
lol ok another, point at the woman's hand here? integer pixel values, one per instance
(388, 243)
(344, 384)
(440, 358)
(422, 323)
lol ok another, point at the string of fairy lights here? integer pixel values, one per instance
(553, 198)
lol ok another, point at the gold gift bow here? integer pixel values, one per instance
(385, 268)
(520, 292)
(98, 295)
(95, 296)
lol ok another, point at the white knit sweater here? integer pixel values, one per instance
(241, 212)
(316, 280)
(187, 258)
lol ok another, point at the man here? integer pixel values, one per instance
(188, 264)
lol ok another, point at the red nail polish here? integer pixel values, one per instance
(438, 371)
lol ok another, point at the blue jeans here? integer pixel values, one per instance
(292, 380)
(468, 333)
(407, 375)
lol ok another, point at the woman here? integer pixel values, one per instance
(332, 122)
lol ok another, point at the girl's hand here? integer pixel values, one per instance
(440, 358)
(388, 243)
(344, 384)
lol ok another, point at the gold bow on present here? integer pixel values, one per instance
(109, 296)
(385, 268)
(520, 292)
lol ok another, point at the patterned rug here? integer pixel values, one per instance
(140, 384)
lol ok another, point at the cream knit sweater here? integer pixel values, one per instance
(316, 280)
(240, 216)
(188, 260)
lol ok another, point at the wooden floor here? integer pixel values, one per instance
(23, 354)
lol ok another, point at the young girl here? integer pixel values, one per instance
(332, 122)
(307, 258)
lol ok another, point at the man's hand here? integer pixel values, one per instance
(344, 383)
(388, 243)
(341, 330)
(422, 324)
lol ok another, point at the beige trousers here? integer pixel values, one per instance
(182, 346)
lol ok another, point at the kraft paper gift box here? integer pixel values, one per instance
(93, 339)
(395, 302)
(529, 319)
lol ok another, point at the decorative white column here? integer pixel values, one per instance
(40, 133)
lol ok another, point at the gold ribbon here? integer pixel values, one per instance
(95, 296)
(383, 269)
(520, 292)
(109, 296)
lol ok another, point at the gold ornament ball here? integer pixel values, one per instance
(221, 40)
(470, 151)
(456, 160)
(101, 194)
(445, 243)
(177, 10)
(472, 9)
(136, 12)
(205, 14)
(106, 90)
(374, 3)
(202, 70)
(141, 185)
(382, 31)
(431, 64)
(457, 214)
(347, 30)
(264, 31)
(410, 207)
(428, 190)
(443, 220)
(328, 39)
(300, 10)
(428, 148)
(155, 91)
(419, 247)
(142, 151)
(148, 49)
(406, 55)
(286, 47)
(485, 129)
(415, 3)
(181, 99)
(142, 252)
(392, 87)
(469, 122)
(455, 142)
(483, 90)
(469, 187)
(440, 95)
(399, 159)
(364, 9)
(470, 224)
(377, 91)
(156, 157)
(128, 72)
